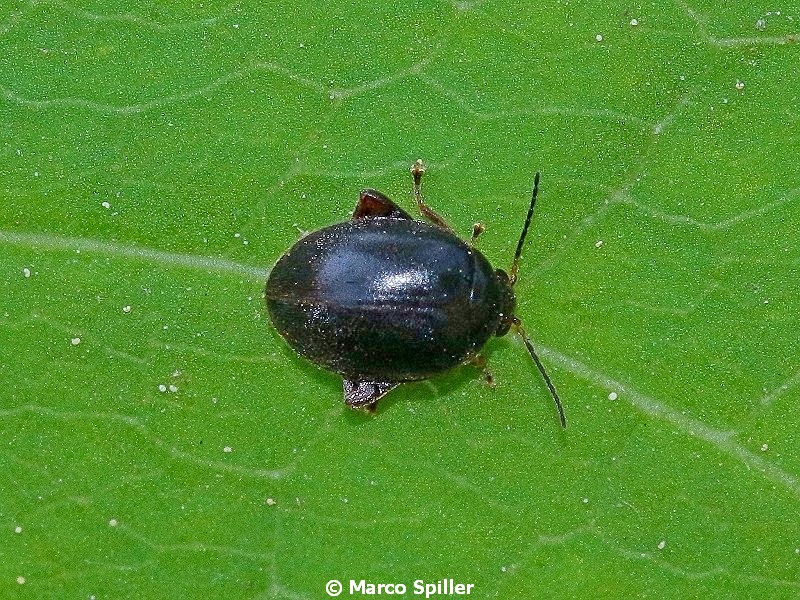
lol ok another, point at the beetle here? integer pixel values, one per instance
(383, 298)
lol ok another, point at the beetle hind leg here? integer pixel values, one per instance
(365, 394)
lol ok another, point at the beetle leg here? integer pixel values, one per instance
(365, 394)
(479, 361)
(417, 169)
(477, 229)
(371, 203)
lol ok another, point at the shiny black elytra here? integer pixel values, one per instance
(384, 299)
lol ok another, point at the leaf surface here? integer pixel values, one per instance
(160, 439)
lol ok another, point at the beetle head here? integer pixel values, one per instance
(508, 303)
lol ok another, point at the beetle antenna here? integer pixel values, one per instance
(559, 407)
(512, 274)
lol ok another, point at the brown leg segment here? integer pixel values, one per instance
(417, 169)
(479, 361)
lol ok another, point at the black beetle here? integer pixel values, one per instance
(384, 299)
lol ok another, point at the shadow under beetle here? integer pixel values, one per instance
(384, 299)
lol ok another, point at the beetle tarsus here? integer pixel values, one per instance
(417, 169)
(477, 230)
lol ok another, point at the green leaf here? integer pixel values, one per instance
(161, 441)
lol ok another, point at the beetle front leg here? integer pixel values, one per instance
(417, 169)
